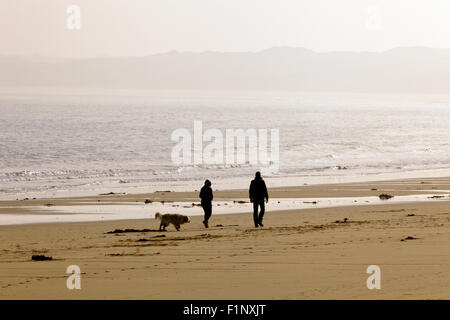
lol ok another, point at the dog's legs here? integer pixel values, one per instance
(178, 227)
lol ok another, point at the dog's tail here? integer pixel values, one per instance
(158, 216)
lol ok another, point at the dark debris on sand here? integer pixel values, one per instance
(110, 193)
(39, 257)
(227, 225)
(436, 197)
(343, 221)
(385, 196)
(409, 238)
(133, 230)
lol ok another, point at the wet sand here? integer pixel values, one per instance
(300, 254)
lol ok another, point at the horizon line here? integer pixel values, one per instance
(175, 51)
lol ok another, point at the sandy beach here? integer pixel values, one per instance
(310, 253)
(114, 114)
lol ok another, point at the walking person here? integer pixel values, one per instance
(258, 193)
(206, 195)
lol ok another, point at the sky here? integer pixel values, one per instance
(143, 27)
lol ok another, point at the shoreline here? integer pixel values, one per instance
(228, 183)
(123, 206)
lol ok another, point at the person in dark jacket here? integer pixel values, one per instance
(206, 195)
(258, 193)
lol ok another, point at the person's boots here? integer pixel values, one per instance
(205, 223)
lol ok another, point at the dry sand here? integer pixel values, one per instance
(299, 254)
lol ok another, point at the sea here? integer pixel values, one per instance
(78, 144)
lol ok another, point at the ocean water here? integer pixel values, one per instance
(91, 143)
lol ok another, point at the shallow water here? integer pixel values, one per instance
(133, 210)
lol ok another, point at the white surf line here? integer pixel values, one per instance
(135, 210)
(230, 183)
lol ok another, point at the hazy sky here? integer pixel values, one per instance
(142, 27)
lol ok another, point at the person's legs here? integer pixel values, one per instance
(261, 213)
(208, 213)
(255, 213)
(207, 208)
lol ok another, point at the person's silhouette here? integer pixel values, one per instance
(206, 195)
(258, 193)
